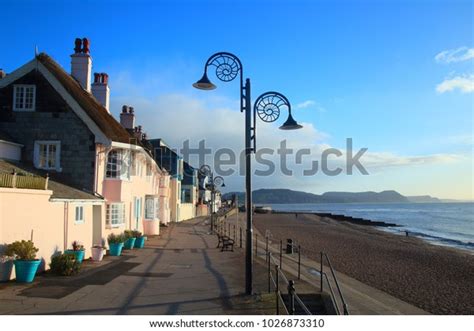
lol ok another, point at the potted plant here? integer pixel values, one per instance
(26, 263)
(98, 253)
(77, 250)
(115, 244)
(139, 239)
(6, 267)
(65, 264)
(129, 240)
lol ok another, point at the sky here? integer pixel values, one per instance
(396, 77)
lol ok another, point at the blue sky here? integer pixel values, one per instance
(365, 69)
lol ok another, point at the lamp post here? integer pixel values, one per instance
(267, 107)
(215, 182)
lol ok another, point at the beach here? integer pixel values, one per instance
(437, 279)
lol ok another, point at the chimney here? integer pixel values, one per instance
(137, 133)
(2, 74)
(127, 117)
(100, 89)
(81, 63)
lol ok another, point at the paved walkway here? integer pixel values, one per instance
(179, 272)
(361, 298)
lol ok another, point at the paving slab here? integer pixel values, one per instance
(178, 272)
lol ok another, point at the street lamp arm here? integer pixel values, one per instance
(268, 107)
(228, 66)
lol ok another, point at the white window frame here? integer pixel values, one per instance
(123, 164)
(23, 101)
(119, 213)
(79, 212)
(152, 207)
(57, 156)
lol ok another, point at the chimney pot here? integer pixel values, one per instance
(124, 109)
(2, 74)
(78, 45)
(131, 110)
(85, 45)
(96, 78)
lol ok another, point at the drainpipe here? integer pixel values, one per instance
(96, 170)
(66, 224)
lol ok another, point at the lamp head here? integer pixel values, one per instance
(290, 124)
(204, 83)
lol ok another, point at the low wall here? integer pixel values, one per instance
(30, 215)
(187, 211)
(202, 210)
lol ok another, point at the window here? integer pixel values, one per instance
(151, 207)
(24, 97)
(47, 155)
(118, 164)
(186, 195)
(79, 215)
(115, 214)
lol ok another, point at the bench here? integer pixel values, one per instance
(226, 242)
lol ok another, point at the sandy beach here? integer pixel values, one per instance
(437, 279)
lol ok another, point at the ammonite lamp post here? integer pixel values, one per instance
(214, 183)
(267, 106)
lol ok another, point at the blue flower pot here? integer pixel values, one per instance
(129, 243)
(6, 270)
(26, 270)
(115, 249)
(140, 242)
(79, 254)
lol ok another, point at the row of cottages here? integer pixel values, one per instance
(103, 176)
(184, 199)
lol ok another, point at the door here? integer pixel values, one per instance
(137, 211)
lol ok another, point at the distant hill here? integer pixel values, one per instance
(289, 196)
(423, 198)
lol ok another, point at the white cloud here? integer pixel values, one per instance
(196, 116)
(462, 139)
(464, 83)
(381, 160)
(455, 55)
(305, 104)
(310, 104)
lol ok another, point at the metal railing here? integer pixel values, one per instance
(339, 298)
(278, 275)
(275, 279)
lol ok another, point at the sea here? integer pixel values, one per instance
(447, 224)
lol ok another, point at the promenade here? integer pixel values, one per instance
(179, 272)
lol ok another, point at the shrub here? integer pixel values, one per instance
(77, 246)
(22, 250)
(65, 265)
(136, 234)
(116, 238)
(128, 234)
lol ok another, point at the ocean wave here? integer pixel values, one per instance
(442, 240)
